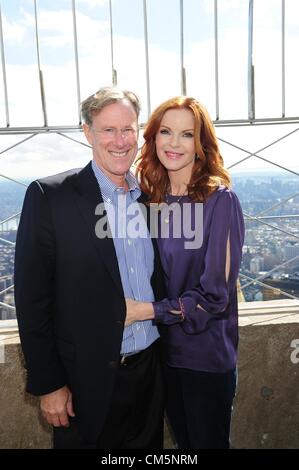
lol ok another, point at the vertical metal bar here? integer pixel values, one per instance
(148, 91)
(114, 72)
(183, 71)
(4, 71)
(283, 86)
(216, 58)
(40, 73)
(251, 98)
(76, 60)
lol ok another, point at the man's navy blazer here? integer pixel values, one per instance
(69, 299)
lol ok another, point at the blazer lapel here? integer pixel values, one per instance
(88, 196)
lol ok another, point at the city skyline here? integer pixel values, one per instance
(265, 247)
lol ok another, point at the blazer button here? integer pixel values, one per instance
(113, 364)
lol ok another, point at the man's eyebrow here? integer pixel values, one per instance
(114, 127)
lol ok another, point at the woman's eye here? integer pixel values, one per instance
(189, 135)
(164, 131)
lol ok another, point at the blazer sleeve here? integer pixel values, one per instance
(210, 298)
(34, 290)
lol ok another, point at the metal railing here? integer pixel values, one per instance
(251, 119)
(63, 131)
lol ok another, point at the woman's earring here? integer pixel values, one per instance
(196, 157)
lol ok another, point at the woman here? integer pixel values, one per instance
(180, 163)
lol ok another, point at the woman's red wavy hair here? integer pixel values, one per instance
(208, 171)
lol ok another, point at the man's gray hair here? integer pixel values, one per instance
(103, 97)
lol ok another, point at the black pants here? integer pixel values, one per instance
(199, 406)
(135, 417)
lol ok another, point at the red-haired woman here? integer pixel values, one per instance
(180, 163)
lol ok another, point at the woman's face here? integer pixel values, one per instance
(175, 145)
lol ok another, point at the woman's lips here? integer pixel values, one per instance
(173, 155)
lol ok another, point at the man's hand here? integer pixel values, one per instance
(57, 406)
(138, 311)
(131, 311)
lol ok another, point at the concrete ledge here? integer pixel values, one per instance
(21, 426)
(266, 410)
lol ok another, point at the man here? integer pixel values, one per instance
(99, 380)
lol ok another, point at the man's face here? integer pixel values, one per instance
(113, 137)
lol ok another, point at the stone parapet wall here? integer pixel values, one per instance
(266, 410)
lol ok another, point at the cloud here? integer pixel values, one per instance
(254, 138)
(232, 74)
(93, 3)
(12, 31)
(56, 28)
(43, 155)
(129, 57)
(223, 5)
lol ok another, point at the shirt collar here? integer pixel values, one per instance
(108, 188)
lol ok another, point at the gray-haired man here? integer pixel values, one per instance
(99, 380)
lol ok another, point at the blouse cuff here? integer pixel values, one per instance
(169, 312)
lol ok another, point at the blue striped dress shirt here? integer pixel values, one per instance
(135, 258)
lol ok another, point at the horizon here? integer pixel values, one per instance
(50, 154)
(259, 173)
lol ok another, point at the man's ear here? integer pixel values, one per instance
(88, 133)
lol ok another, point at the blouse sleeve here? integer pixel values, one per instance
(209, 299)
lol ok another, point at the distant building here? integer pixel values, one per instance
(259, 296)
(291, 251)
(256, 265)
(246, 258)
(7, 313)
(286, 284)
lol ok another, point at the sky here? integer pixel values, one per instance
(48, 154)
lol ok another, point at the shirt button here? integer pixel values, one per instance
(132, 270)
(129, 242)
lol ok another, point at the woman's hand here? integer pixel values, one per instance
(138, 311)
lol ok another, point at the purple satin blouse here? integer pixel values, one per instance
(207, 338)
